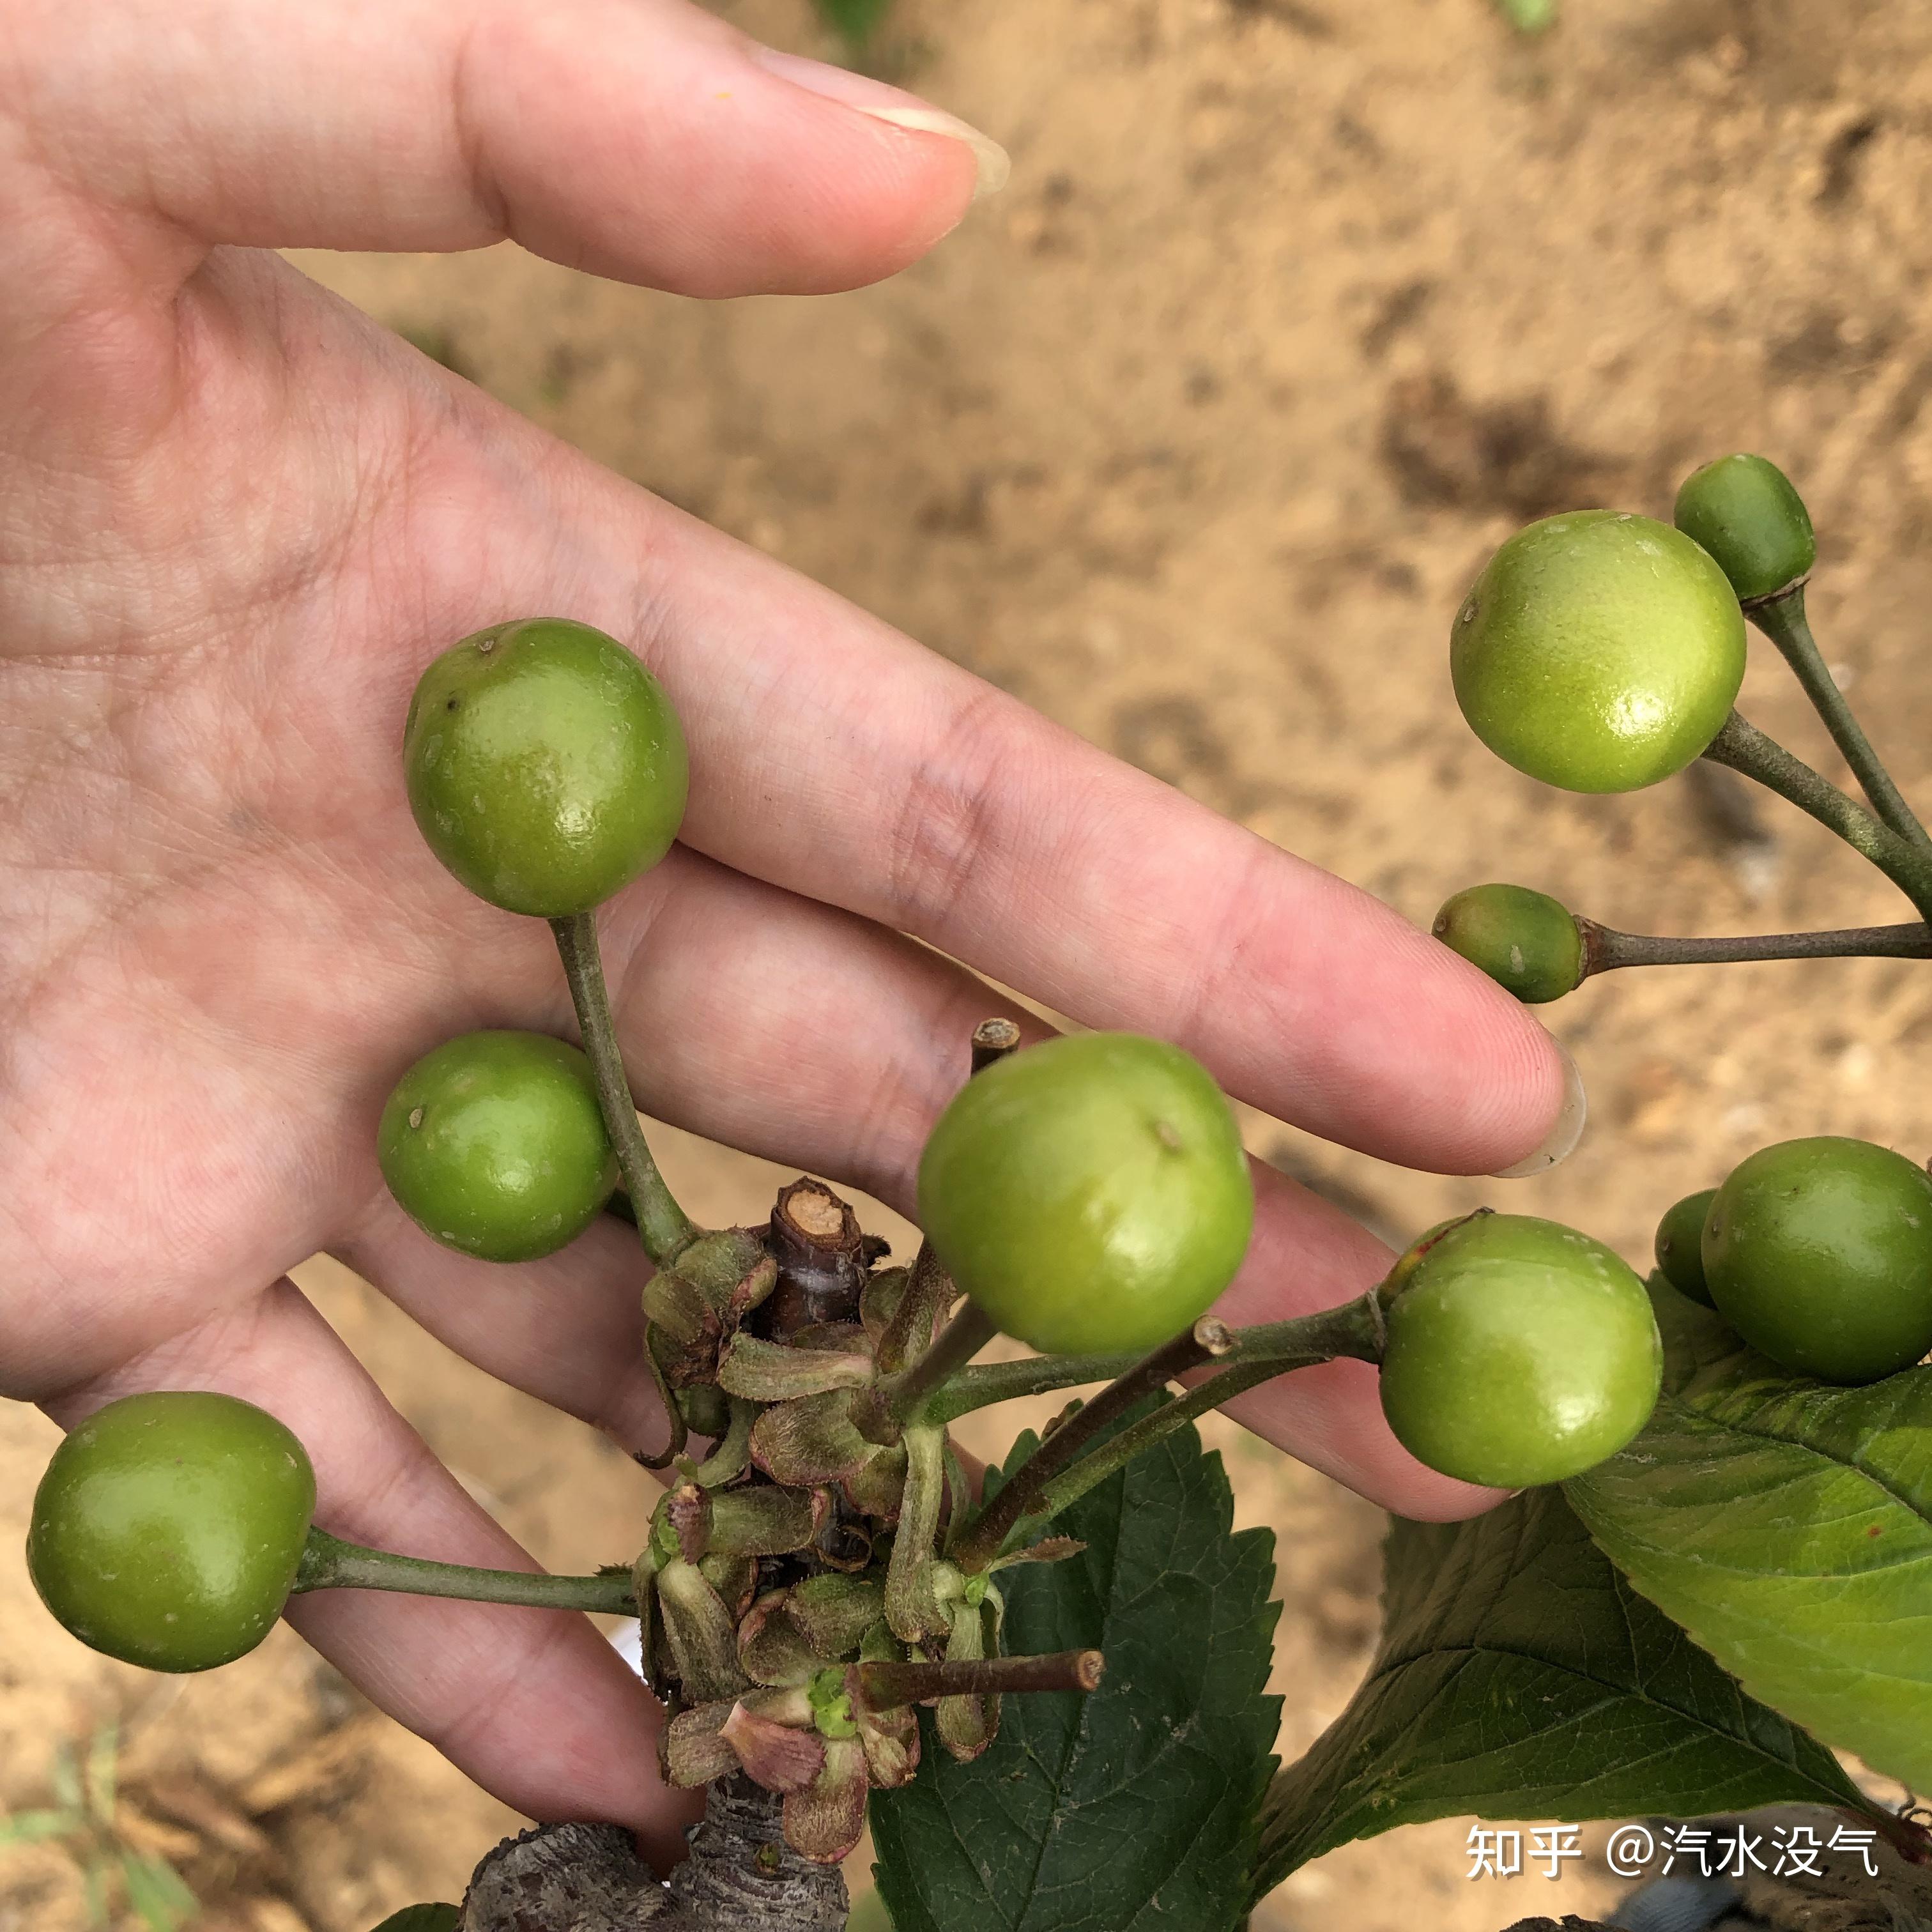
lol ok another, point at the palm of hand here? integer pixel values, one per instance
(235, 520)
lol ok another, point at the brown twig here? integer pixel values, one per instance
(822, 1256)
(885, 1686)
(993, 1039)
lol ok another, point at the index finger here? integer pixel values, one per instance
(833, 757)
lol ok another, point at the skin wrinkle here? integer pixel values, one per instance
(1223, 962)
(486, 192)
(948, 818)
(168, 1225)
(32, 158)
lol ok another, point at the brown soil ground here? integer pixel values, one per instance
(1192, 439)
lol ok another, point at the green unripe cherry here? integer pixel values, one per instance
(1679, 1247)
(494, 1144)
(1598, 651)
(168, 1529)
(1819, 1253)
(544, 765)
(1089, 1193)
(1519, 1351)
(1527, 942)
(1744, 512)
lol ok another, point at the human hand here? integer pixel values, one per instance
(236, 519)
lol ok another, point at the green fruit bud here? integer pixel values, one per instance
(1743, 510)
(1527, 942)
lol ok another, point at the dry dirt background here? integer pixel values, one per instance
(1192, 439)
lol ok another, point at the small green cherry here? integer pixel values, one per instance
(544, 765)
(169, 1528)
(1598, 651)
(1089, 1193)
(1519, 1351)
(494, 1144)
(1819, 1253)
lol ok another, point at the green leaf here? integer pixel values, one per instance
(1519, 1676)
(37, 1827)
(156, 1892)
(423, 1919)
(1134, 1809)
(1787, 1525)
(854, 21)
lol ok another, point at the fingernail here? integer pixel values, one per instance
(898, 109)
(1561, 1141)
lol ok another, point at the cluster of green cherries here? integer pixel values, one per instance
(1088, 1195)
(1602, 652)
(1089, 1192)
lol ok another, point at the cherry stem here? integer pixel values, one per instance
(1783, 620)
(663, 1226)
(984, 1534)
(1067, 1464)
(884, 1686)
(1744, 749)
(328, 1563)
(990, 1382)
(1605, 949)
(1117, 1451)
(1313, 1337)
(901, 1396)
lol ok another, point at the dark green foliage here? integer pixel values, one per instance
(1133, 1809)
(1787, 1525)
(1520, 1676)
